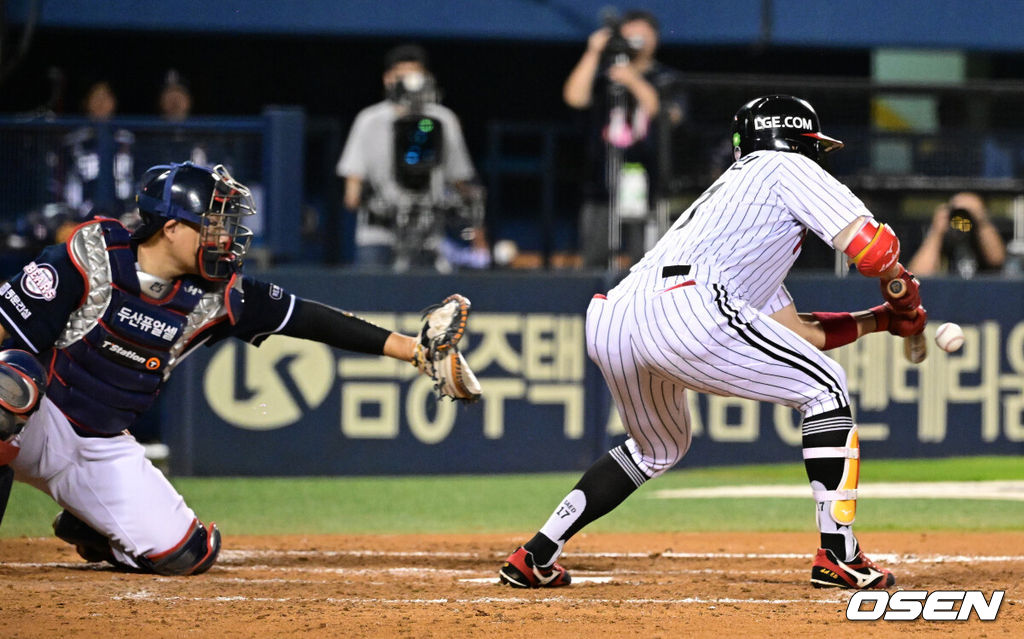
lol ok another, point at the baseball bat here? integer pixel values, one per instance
(915, 347)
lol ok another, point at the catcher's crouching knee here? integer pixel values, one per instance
(193, 556)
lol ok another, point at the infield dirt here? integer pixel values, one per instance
(636, 585)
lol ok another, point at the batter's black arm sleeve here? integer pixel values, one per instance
(334, 327)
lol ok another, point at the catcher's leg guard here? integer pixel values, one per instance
(194, 555)
(832, 459)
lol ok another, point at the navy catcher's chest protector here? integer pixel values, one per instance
(119, 346)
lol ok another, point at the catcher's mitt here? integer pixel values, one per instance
(437, 354)
(454, 379)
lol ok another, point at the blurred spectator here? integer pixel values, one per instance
(962, 240)
(408, 175)
(634, 101)
(175, 106)
(88, 186)
(175, 98)
(100, 103)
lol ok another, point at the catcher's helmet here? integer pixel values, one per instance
(208, 198)
(780, 123)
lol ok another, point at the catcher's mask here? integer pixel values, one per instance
(780, 123)
(209, 199)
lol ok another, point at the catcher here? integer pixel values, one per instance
(93, 328)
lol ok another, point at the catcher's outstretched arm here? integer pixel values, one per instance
(434, 351)
(335, 327)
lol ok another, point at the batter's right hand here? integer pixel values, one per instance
(910, 299)
(899, 323)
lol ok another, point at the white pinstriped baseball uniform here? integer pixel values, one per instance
(694, 312)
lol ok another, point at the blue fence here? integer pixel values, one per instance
(299, 408)
(58, 169)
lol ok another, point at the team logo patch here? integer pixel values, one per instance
(275, 292)
(40, 281)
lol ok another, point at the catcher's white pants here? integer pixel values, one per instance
(653, 342)
(106, 482)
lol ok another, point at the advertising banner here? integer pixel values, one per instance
(295, 407)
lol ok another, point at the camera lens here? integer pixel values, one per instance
(960, 220)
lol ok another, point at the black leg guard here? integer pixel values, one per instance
(193, 556)
(92, 545)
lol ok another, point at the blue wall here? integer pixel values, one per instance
(293, 407)
(971, 24)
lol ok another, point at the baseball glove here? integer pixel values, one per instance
(437, 355)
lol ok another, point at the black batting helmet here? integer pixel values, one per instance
(780, 123)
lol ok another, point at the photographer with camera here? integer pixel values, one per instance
(422, 208)
(962, 240)
(633, 100)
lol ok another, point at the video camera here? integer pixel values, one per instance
(419, 147)
(960, 245)
(618, 49)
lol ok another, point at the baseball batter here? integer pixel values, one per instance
(706, 310)
(94, 327)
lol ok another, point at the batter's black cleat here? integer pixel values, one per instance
(90, 544)
(859, 574)
(519, 571)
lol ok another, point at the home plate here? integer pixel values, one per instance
(576, 579)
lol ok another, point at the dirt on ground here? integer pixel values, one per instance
(635, 585)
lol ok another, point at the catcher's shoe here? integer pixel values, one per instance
(91, 545)
(519, 571)
(859, 574)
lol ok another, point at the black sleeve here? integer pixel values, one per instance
(334, 327)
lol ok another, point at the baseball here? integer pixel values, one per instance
(949, 337)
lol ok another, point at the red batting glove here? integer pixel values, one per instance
(899, 323)
(909, 300)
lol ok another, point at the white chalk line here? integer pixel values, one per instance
(579, 577)
(240, 556)
(147, 595)
(236, 560)
(467, 576)
(1010, 490)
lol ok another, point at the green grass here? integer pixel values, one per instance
(519, 504)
